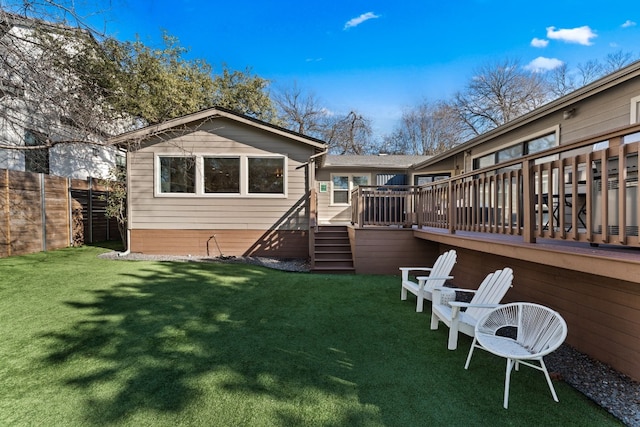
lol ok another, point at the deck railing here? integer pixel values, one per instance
(585, 191)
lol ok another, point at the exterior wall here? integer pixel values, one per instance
(253, 215)
(383, 250)
(218, 243)
(599, 113)
(602, 314)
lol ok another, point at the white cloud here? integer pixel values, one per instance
(628, 23)
(542, 64)
(536, 42)
(360, 19)
(580, 35)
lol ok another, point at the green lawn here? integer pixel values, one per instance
(89, 341)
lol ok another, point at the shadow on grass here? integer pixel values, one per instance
(179, 333)
(230, 344)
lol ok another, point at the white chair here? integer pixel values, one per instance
(522, 333)
(435, 278)
(487, 296)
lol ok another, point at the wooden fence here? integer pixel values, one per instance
(42, 212)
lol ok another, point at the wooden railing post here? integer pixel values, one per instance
(528, 233)
(452, 208)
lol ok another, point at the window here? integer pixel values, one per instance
(222, 175)
(344, 184)
(520, 149)
(177, 175)
(266, 175)
(225, 175)
(427, 179)
(36, 160)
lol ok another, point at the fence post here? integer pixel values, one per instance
(90, 208)
(70, 211)
(7, 211)
(43, 212)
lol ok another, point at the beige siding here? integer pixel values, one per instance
(220, 136)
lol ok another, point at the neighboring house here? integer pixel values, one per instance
(219, 183)
(26, 119)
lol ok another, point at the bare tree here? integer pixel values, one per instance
(561, 81)
(300, 110)
(497, 93)
(426, 129)
(349, 134)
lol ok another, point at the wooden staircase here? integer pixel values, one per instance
(332, 250)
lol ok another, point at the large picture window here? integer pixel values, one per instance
(177, 174)
(221, 175)
(266, 175)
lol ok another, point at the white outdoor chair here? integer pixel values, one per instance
(487, 296)
(424, 285)
(522, 333)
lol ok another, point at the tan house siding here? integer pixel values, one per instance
(213, 225)
(153, 211)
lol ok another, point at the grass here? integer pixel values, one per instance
(93, 342)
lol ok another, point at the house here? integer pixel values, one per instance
(552, 194)
(339, 175)
(29, 117)
(219, 183)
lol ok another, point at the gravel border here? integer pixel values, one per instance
(608, 388)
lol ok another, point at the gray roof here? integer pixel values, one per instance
(374, 161)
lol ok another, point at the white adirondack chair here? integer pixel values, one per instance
(424, 285)
(538, 331)
(487, 296)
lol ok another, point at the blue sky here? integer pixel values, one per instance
(379, 57)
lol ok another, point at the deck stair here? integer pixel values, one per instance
(332, 250)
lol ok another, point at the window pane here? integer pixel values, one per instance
(486, 161)
(340, 182)
(510, 153)
(540, 144)
(177, 174)
(341, 197)
(360, 180)
(37, 160)
(266, 175)
(221, 175)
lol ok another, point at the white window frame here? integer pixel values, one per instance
(635, 110)
(244, 176)
(351, 186)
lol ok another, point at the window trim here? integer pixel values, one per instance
(199, 176)
(635, 106)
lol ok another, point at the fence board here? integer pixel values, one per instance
(26, 199)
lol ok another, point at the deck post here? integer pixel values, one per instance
(528, 233)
